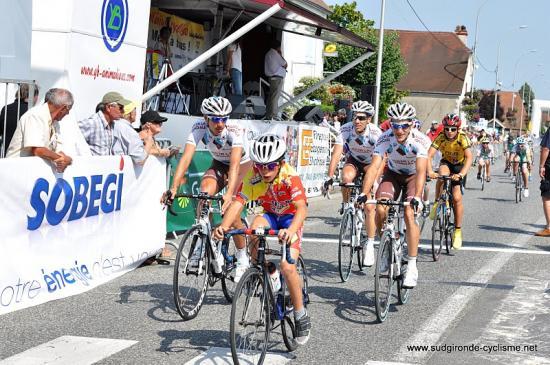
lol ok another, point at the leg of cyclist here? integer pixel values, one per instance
(525, 173)
(388, 189)
(349, 172)
(458, 208)
(515, 159)
(488, 170)
(240, 253)
(480, 162)
(413, 233)
(443, 171)
(370, 226)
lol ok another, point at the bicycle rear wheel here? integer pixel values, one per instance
(437, 234)
(288, 327)
(250, 319)
(403, 294)
(191, 274)
(345, 247)
(383, 277)
(518, 187)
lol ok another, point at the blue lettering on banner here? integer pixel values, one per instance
(87, 197)
(114, 23)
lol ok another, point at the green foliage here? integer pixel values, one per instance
(327, 108)
(321, 94)
(528, 91)
(393, 66)
(341, 91)
(470, 105)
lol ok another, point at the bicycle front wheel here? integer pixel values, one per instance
(437, 234)
(518, 187)
(191, 274)
(345, 245)
(383, 277)
(250, 319)
(288, 327)
(228, 277)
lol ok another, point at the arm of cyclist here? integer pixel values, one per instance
(430, 171)
(334, 159)
(179, 175)
(233, 211)
(233, 174)
(288, 235)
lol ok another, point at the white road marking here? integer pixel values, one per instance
(464, 248)
(372, 362)
(69, 350)
(222, 356)
(431, 331)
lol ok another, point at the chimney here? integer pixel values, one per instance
(462, 33)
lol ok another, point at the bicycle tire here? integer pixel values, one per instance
(518, 188)
(437, 235)
(449, 229)
(188, 309)
(383, 278)
(483, 179)
(288, 327)
(228, 277)
(403, 294)
(345, 247)
(359, 250)
(252, 286)
(520, 185)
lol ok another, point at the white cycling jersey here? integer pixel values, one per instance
(402, 157)
(219, 146)
(358, 146)
(486, 153)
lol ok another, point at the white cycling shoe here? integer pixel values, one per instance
(240, 270)
(411, 277)
(368, 254)
(526, 193)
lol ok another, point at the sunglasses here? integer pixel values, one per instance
(270, 166)
(400, 125)
(218, 119)
(451, 129)
(361, 118)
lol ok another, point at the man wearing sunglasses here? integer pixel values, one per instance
(280, 192)
(456, 159)
(405, 150)
(357, 139)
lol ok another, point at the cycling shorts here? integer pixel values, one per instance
(283, 221)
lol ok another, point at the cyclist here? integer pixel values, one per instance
(485, 155)
(406, 151)
(522, 154)
(357, 139)
(279, 190)
(230, 161)
(456, 159)
(509, 143)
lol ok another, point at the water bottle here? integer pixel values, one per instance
(274, 277)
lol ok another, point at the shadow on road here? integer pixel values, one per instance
(331, 221)
(179, 341)
(504, 229)
(496, 199)
(326, 272)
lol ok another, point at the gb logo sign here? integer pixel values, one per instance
(114, 23)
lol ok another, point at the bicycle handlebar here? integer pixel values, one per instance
(265, 233)
(388, 202)
(202, 196)
(350, 185)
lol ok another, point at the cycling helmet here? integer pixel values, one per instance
(267, 148)
(484, 140)
(451, 120)
(520, 140)
(401, 111)
(216, 105)
(362, 107)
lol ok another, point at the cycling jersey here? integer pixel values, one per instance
(219, 146)
(452, 150)
(485, 153)
(276, 197)
(358, 146)
(524, 154)
(402, 157)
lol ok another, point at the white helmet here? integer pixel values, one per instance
(267, 148)
(216, 105)
(362, 107)
(401, 111)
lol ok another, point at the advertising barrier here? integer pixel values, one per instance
(314, 156)
(76, 230)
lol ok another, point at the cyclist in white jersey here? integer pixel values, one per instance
(485, 154)
(224, 139)
(357, 140)
(406, 153)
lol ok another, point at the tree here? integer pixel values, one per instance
(393, 66)
(470, 105)
(487, 105)
(528, 96)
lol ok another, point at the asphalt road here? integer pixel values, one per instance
(493, 294)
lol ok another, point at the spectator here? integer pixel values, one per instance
(126, 141)
(234, 67)
(98, 129)
(35, 133)
(14, 111)
(275, 69)
(341, 118)
(151, 125)
(544, 172)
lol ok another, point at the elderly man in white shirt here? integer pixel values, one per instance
(275, 69)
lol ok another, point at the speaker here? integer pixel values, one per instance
(247, 106)
(309, 113)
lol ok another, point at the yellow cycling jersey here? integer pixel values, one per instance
(452, 150)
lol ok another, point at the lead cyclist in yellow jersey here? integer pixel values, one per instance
(456, 159)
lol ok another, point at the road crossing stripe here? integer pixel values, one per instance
(69, 350)
(464, 248)
(432, 330)
(222, 355)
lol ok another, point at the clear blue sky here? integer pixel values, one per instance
(499, 21)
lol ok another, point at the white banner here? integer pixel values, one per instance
(63, 234)
(313, 157)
